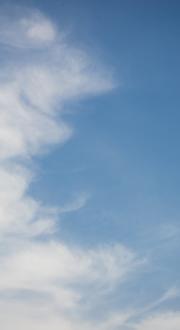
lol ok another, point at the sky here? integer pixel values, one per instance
(89, 165)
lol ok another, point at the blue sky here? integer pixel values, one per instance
(89, 164)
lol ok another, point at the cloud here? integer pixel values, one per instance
(26, 316)
(44, 277)
(75, 205)
(48, 266)
(44, 282)
(27, 30)
(164, 321)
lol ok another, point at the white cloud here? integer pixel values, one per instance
(20, 213)
(45, 317)
(164, 321)
(44, 282)
(48, 266)
(62, 280)
(38, 29)
(48, 280)
(31, 30)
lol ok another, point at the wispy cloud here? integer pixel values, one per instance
(163, 321)
(76, 204)
(50, 281)
(26, 28)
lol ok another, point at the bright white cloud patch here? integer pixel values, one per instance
(50, 282)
